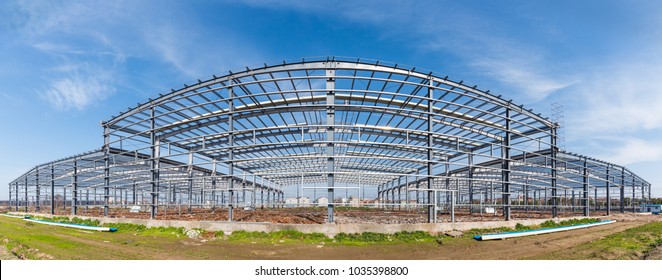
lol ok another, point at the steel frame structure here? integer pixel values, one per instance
(383, 131)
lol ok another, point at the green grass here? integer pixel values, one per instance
(633, 243)
(135, 228)
(18, 249)
(355, 239)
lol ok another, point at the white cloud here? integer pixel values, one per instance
(530, 84)
(78, 89)
(624, 97)
(633, 150)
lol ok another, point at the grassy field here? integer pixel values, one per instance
(631, 244)
(30, 240)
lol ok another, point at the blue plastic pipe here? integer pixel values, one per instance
(505, 235)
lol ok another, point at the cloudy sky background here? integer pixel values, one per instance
(66, 66)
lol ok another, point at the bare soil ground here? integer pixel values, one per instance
(6, 255)
(315, 215)
(655, 254)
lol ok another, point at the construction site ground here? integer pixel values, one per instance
(313, 215)
(66, 243)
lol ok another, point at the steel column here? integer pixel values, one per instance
(16, 194)
(554, 150)
(607, 186)
(330, 136)
(231, 151)
(154, 163)
(106, 170)
(585, 203)
(52, 189)
(622, 188)
(470, 163)
(190, 182)
(505, 169)
(37, 190)
(26, 193)
(74, 189)
(432, 215)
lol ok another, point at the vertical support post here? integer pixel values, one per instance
(525, 189)
(406, 190)
(231, 151)
(595, 199)
(134, 194)
(37, 190)
(213, 186)
(330, 136)
(505, 169)
(622, 198)
(74, 189)
(243, 190)
(154, 163)
(399, 193)
(554, 150)
(16, 195)
(253, 196)
(52, 189)
(190, 182)
(432, 215)
(585, 199)
(608, 186)
(106, 170)
(470, 165)
(633, 193)
(26, 193)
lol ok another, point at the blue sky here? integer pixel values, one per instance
(66, 66)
